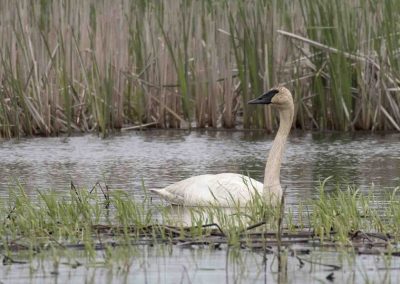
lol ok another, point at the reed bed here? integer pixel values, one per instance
(100, 66)
(104, 219)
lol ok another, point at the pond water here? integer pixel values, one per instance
(158, 158)
(178, 265)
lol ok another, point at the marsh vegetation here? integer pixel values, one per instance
(98, 66)
(52, 227)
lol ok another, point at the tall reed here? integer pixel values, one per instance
(98, 66)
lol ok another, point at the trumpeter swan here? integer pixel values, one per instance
(230, 189)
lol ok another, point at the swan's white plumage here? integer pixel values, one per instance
(227, 189)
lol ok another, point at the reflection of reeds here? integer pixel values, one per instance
(84, 66)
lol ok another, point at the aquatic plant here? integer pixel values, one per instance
(95, 66)
(100, 219)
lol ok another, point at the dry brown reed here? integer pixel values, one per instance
(102, 65)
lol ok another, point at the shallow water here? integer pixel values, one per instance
(182, 265)
(158, 158)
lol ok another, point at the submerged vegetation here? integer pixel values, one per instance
(98, 66)
(103, 219)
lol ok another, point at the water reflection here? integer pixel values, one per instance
(191, 216)
(158, 158)
(167, 264)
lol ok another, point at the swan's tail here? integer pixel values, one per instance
(155, 190)
(166, 195)
(161, 192)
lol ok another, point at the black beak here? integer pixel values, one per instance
(264, 99)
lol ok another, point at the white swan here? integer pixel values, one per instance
(229, 189)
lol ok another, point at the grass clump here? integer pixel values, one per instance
(103, 220)
(342, 212)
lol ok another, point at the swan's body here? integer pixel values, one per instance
(229, 189)
(225, 189)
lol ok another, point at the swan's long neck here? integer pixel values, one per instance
(272, 185)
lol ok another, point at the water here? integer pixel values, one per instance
(178, 265)
(158, 158)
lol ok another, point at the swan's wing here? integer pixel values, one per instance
(224, 189)
(184, 191)
(234, 189)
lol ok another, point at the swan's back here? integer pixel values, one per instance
(225, 189)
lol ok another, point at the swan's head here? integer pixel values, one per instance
(279, 96)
